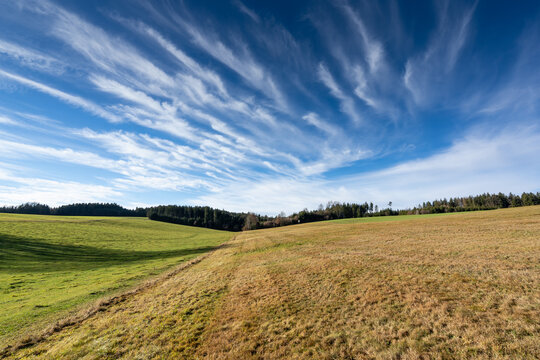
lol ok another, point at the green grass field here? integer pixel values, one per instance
(52, 264)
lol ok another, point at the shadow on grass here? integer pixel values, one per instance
(19, 254)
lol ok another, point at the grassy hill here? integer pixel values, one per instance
(50, 264)
(459, 286)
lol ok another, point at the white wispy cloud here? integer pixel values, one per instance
(332, 158)
(208, 75)
(243, 8)
(362, 65)
(164, 116)
(61, 95)
(347, 103)
(139, 165)
(431, 68)
(12, 149)
(241, 62)
(373, 49)
(314, 120)
(6, 120)
(112, 55)
(31, 58)
(149, 153)
(517, 94)
(362, 90)
(113, 87)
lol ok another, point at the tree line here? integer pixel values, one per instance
(202, 216)
(79, 209)
(474, 203)
(205, 216)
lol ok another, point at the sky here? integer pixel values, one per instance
(267, 106)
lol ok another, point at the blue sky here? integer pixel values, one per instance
(267, 106)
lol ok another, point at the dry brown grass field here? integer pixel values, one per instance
(454, 286)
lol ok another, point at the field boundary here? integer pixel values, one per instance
(102, 305)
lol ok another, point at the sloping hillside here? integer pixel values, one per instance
(50, 264)
(455, 286)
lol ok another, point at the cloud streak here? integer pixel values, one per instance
(31, 58)
(61, 95)
(346, 102)
(433, 67)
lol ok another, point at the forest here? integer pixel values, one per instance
(79, 209)
(224, 220)
(473, 203)
(204, 216)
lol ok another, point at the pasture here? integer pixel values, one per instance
(464, 285)
(49, 264)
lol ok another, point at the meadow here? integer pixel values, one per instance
(51, 264)
(453, 286)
